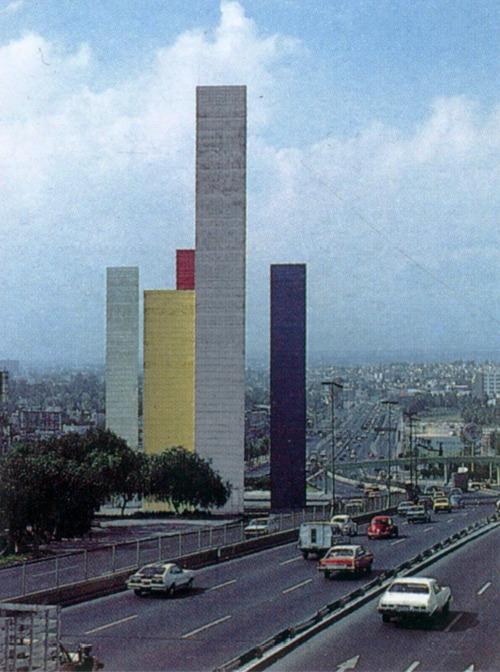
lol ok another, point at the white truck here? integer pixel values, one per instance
(415, 597)
(317, 538)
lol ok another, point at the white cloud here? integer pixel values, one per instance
(93, 178)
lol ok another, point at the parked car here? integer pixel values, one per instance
(498, 505)
(353, 559)
(346, 524)
(418, 514)
(317, 538)
(403, 508)
(258, 527)
(415, 597)
(161, 577)
(382, 527)
(441, 505)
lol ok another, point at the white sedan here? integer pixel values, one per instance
(346, 524)
(414, 597)
(162, 577)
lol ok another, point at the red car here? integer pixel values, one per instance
(382, 527)
(352, 559)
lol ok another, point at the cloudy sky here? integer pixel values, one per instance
(373, 157)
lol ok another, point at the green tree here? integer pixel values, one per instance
(184, 479)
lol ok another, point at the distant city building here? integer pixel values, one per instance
(40, 421)
(4, 385)
(220, 283)
(288, 388)
(122, 353)
(168, 397)
(11, 366)
(487, 384)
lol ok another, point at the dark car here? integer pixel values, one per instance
(382, 527)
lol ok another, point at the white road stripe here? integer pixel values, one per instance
(110, 625)
(399, 541)
(205, 627)
(484, 588)
(299, 585)
(450, 520)
(287, 562)
(221, 585)
(457, 617)
(413, 666)
(428, 529)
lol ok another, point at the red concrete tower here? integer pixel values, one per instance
(184, 269)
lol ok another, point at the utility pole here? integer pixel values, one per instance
(389, 403)
(332, 385)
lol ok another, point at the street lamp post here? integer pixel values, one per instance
(332, 385)
(389, 403)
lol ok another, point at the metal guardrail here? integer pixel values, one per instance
(66, 569)
(322, 615)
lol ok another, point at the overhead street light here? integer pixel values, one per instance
(390, 403)
(332, 385)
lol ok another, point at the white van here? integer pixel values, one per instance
(318, 538)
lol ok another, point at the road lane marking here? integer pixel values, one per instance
(450, 520)
(205, 627)
(399, 541)
(428, 529)
(413, 666)
(287, 562)
(110, 625)
(222, 585)
(484, 588)
(348, 664)
(457, 617)
(299, 585)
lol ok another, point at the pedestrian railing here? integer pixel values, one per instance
(85, 565)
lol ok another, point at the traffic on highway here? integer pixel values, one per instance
(235, 605)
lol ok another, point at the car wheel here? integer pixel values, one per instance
(305, 554)
(445, 611)
(138, 592)
(386, 618)
(328, 574)
(369, 568)
(190, 583)
(171, 590)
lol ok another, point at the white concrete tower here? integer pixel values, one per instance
(122, 353)
(220, 282)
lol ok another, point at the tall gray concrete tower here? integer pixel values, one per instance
(122, 353)
(220, 282)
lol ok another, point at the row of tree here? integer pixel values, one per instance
(52, 489)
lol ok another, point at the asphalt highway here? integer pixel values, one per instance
(234, 605)
(467, 640)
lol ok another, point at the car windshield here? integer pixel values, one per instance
(341, 552)
(416, 509)
(259, 521)
(415, 588)
(380, 521)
